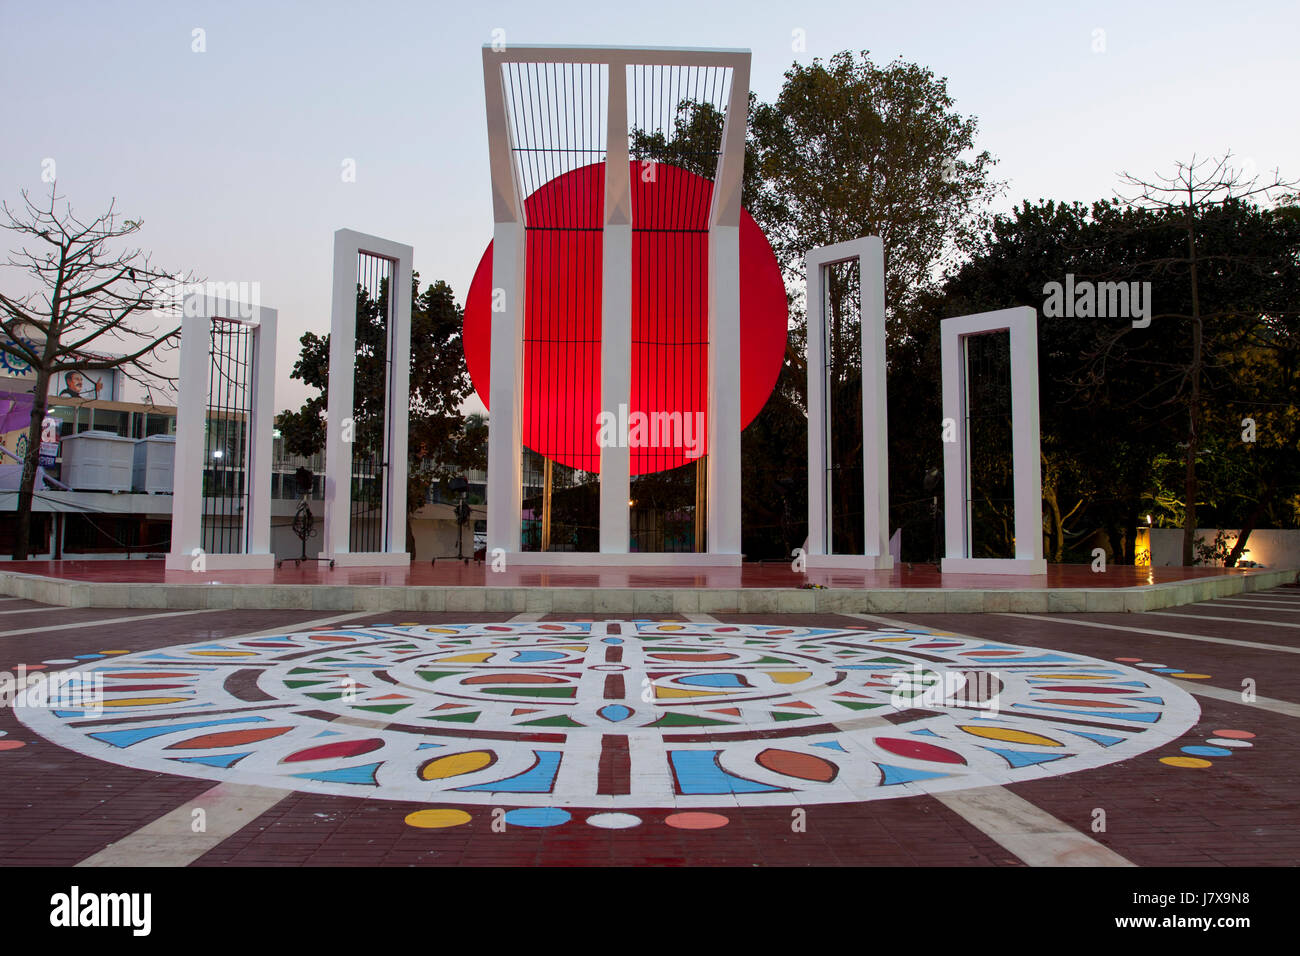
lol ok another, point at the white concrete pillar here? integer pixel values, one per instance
(616, 318)
(349, 245)
(1022, 326)
(869, 253)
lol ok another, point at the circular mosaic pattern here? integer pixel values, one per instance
(617, 714)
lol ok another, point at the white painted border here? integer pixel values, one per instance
(335, 543)
(191, 415)
(858, 779)
(869, 252)
(1022, 325)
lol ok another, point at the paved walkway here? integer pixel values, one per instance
(295, 737)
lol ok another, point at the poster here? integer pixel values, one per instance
(90, 385)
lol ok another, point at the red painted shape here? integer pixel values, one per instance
(1071, 689)
(136, 675)
(229, 738)
(561, 398)
(1073, 702)
(917, 750)
(512, 679)
(339, 748)
(791, 763)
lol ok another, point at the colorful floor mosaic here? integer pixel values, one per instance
(609, 715)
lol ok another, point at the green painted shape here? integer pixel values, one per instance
(383, 708)
(781, 715)
(674, 719)
(462, 718)
(558, 721)
(533, 691)
(304, 683)
(332, 695)
(773, 660)
(309, 670)
(432, 676)
(857, 704)
(885, 660)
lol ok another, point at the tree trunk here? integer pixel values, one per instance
(1239, 547)
(1055, 534)
(1130, 535)
(27, 486)
(1194, 398)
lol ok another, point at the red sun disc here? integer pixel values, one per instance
(561, 399)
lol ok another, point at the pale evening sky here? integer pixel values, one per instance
(232, 157)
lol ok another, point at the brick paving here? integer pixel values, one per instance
(58, 807)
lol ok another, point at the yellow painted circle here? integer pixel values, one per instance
(115, 652)
(437, 819)
(453, 765)
(1185, 762)
(1191, 676)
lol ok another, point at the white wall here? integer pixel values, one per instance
(1269, 547)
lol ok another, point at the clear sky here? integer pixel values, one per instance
(233, 157)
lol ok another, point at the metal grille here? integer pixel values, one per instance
(558, 114)
(990, 495)
(675, 122)
(371, 403)
(225, 453)
(843, 305)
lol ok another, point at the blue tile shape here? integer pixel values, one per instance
(215, 760)
(1104, 739)
(896, 775)
(364, 774)
(539, 778)
(1146, 718)
(1021, 758)
(126, 738)
(698, 772)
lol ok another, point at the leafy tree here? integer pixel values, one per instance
(91, 296)
(1114, 397)
(1194, 192)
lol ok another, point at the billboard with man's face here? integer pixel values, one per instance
(98, 384)
(17, 375)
